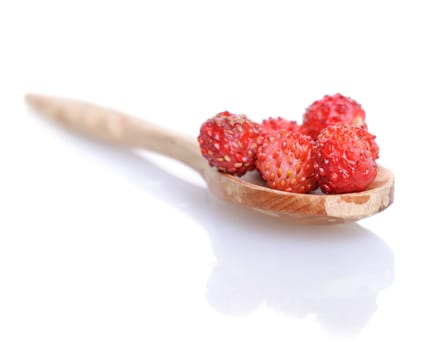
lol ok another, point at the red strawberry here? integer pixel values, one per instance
(286, 161)
(346, 159)
(370, 139)
(331, 110)
(272, 125)
(229, 141)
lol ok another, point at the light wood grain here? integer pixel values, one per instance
(115, 127)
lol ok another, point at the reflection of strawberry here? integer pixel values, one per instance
(229, 141)
(331, 110)
(286, 161)
(346, 159)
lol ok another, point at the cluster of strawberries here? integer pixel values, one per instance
(331, 149)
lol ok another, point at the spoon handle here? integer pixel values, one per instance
(117, 128)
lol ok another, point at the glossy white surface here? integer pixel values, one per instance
(114, 249)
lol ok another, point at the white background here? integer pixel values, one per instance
(108, 249)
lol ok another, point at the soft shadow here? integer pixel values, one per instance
(332, 272)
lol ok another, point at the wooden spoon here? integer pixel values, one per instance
(118, 128)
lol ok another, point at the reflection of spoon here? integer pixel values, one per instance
(334, 276)
(118, 128)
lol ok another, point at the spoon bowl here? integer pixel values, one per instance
(117, 128)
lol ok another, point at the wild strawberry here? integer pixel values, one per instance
(331, 110)
(229, 141)
(272, 125)
(346, 159)
(286, 161)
